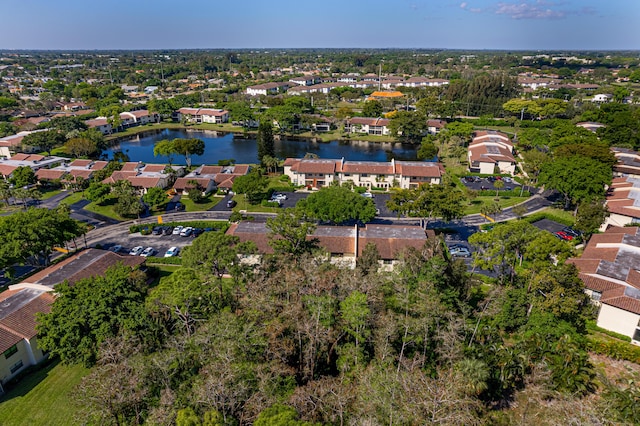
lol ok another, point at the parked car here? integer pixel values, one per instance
(116, 249)
(186, 231)
(179, 207)
(564, 236)
(177, 230)
(491, 179)
(136, 251)
(569, 230)
(173, 251)
(157, 230)
(278, 196)
(196, 232)
(507, 179)
(167, 230)
(149, 251)
(367, 195)
(469, 179)
(231, 204)
(459, 252)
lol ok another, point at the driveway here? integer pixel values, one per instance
(484, 184)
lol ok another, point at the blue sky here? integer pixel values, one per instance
(462, 24)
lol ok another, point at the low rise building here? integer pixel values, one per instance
(610, 270)
(628, 164)
(623, 202)
(202, 115)
(368, 125)
(146, 176)
(316, 173)
(344, 244)
(210, 178)
(33, 161)
(491, 152)
(268, 88)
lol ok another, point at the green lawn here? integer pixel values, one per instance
(43, 397)
(105, 209)
(208, 202)
(478, 202)
(243, 204)
(73, 198)
(49, 192)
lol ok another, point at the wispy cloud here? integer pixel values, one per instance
(525, 10)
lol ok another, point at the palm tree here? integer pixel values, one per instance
(5, 191)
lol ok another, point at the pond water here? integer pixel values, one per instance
(219, 146)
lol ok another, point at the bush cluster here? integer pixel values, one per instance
(145, 228)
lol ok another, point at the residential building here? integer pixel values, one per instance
(308, 80)
(268, 88)
(424, 82)
(138, 118)
(210, 178)
(316, 173)
(202, 115)
(623, 202)
(602, 98)
(368, 125)
(344, 244)
(18, 337)
(69, 173)
(628, 163)
(34, 161)
(13, 143)
(591, 126)
(435, 126)
(20, 304)
(491, 152)
(101, 124)
(146, 176)
(609, 267)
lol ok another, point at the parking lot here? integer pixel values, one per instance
(478, 183)
(160, 243)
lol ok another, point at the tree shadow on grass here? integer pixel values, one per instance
(27, 380)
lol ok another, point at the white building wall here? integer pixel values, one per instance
(618, 320)
(615, 219)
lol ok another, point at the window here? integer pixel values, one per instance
(636, 335)
(387, 262)
(596, 295)
(12, 350)
(364, 175)
(15, 367)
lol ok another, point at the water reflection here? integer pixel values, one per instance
(220, 146)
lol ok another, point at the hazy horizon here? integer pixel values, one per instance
(511, 25)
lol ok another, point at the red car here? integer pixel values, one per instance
(564, 235)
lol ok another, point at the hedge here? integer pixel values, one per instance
(217, 224)
(616, 350)
(591, 325)
(511, 193)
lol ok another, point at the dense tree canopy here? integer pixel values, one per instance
(427, 202)
(337, 204)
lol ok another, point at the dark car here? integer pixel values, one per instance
(157, 230)
(569, 230)
(491, 179)
(167, 230)
(469, 179)
(179, 207)
(231, 204)
(196, 232)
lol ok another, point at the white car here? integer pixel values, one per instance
(149, 251)
(173, 251)
(279, 196)
(186, 231)
(177, 230)
(136, 251)
(367, 195)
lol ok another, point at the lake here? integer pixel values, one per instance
(220, 146)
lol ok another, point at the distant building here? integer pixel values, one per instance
(368, 125)
(590, 125)
(628, 164)
(202, 115)
(33, 161)
(146, 176)
(268, 88)
(623, 202)
(210, 178)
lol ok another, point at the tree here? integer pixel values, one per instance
(590, 216)
(372, 109)
(337, 204)
(498, 184)
(252, 185)
(155, 197)
(81, 147)
(86, 314)
(368, 261)
(270, 163)
(188, 147)
(165, 148)
(97, 192)
(43, 140)
(128, 203)
(23, 176)
(215, 254)
(355, 312)
(289, 233)
(427, 202)
(428, 149)
(265, 141)
(578, 178)
(408, 127)
(5, 191)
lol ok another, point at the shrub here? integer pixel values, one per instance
(216, 224)
(266, 203)
(614, 349)
(546, 215)
(165, 260)
(511, 193)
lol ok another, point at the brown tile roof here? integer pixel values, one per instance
(145, 182)
(597, 284)
(183, 182)
(416, 169)
(369, 121)
(210, 170)
(154, 168)
(241, 169)
(7, 169)
(317, 166)
(367, 167)
(50, 174)
(7, 339)
(129, 166)
(85, 264)
(623, 302)
(23, 321)
(80, 163)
